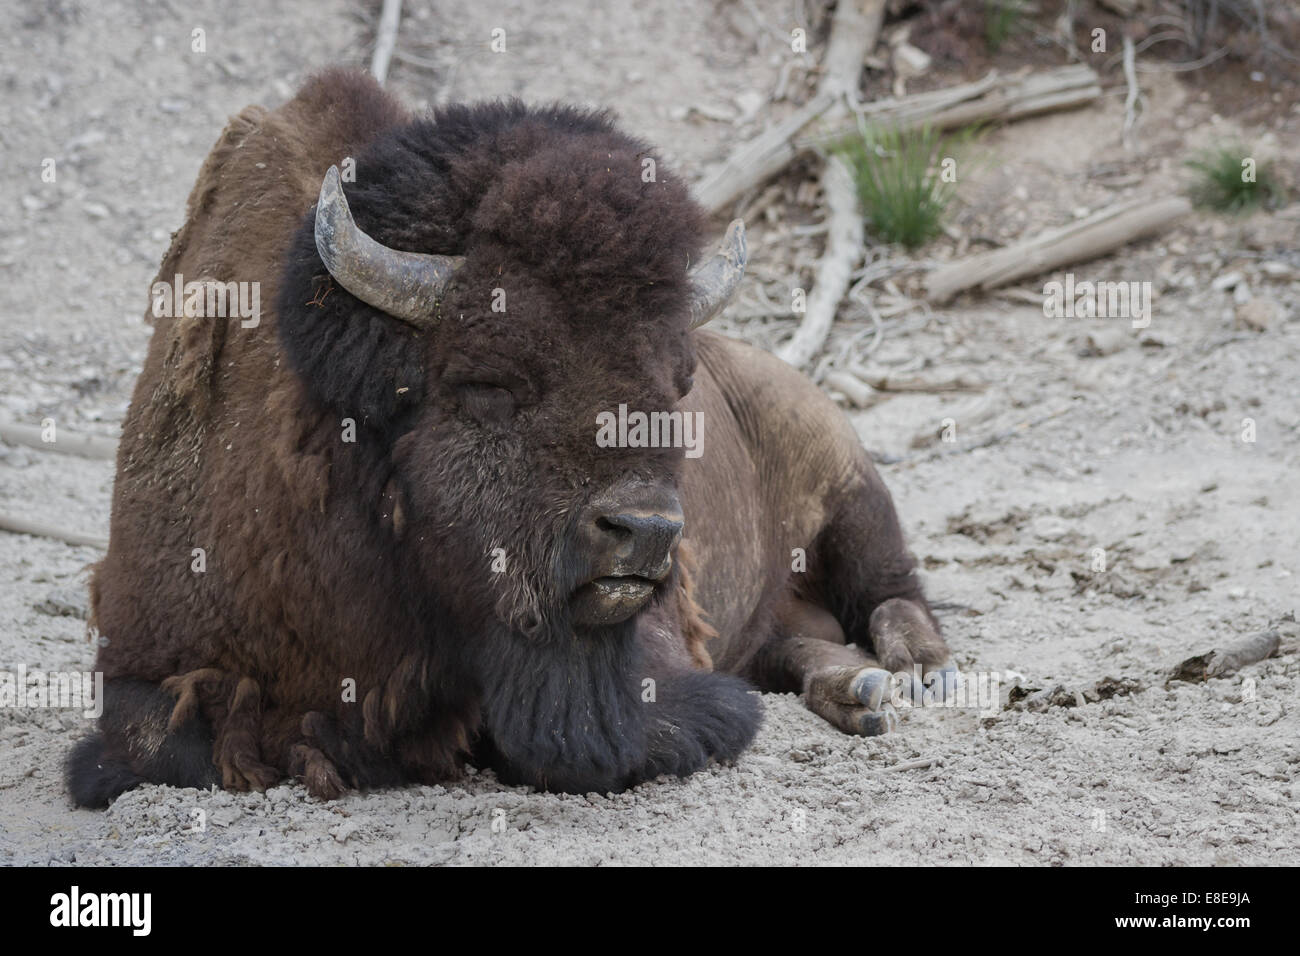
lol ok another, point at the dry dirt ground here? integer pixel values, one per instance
(1130, 441)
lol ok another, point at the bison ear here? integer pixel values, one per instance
(716, 281)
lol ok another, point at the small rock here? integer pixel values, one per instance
(1227, 282)
(65, 602)
(224, 816)
(344, 830)
(1149, 560)
(1258, 314)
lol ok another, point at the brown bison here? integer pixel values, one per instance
(414, 513)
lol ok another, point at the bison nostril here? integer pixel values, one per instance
(611, 527)
(646, 526)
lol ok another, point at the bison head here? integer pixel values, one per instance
(494, 281)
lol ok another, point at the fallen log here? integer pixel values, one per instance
(41, 530)
(992, 99)
(1088, 238)
(65, 443)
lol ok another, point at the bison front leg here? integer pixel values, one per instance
(695, 718)
(868, 579)
(841, 684)
(592, 714)
(907, 642)
(232, 705)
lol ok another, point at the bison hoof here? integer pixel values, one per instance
(935, 687)
(317, 772)
(855, 700)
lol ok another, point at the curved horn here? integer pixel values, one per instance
(716, 281)
(406, 285)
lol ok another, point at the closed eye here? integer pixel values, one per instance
(485, 402)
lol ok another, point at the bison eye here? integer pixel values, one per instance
(486, 402)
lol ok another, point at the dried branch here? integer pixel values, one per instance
(386, 39)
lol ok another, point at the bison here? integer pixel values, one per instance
(408, 516)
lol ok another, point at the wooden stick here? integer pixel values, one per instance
(41, 530)
(855, 28)
(921, 764)
(65, 443)
(855, 390)
(1086, 239)
(386, 39)
(948, 381)
(992, 99)
(1131, 99)
(758, 159)
(844, 239)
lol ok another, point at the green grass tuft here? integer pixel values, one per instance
(1220, 182)
(899, 180)
(1002, 18)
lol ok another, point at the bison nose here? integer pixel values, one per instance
(642, 541)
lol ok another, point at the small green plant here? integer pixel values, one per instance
(1230, 180)
(1001, 19)
(901, 183)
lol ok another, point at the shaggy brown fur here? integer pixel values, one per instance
(346, 627)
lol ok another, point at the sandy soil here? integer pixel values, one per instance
(1137, 451)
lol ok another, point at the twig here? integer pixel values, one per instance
(386, 39)
(922, 764)
(1186, 67)
(1131, 100)
(996, 438)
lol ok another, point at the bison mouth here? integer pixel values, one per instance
(608, 600)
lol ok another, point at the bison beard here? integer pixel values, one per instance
(349, 467)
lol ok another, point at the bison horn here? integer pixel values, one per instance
(406, 285)
(716, 281)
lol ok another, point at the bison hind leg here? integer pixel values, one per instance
(136, 745)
